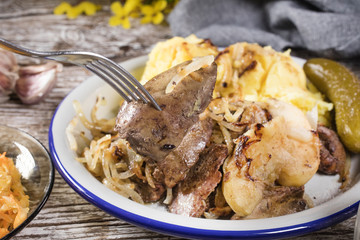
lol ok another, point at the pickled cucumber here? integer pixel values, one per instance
(342, 88)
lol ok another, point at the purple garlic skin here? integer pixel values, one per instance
(8, 74)
(36, 81)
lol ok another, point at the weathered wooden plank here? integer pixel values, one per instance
(86, 33)
(31, 23)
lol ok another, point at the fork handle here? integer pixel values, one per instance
(20, 50)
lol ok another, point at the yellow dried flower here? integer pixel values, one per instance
(153, 13)
(62, 8)
(122, 13)
(86, 7)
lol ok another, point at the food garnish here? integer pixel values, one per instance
(341, 87)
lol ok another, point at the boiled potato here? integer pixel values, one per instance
(284, 150)
(258, 73)
(174, 51)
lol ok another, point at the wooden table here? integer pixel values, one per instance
(31, 23)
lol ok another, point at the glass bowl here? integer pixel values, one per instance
(35, 166)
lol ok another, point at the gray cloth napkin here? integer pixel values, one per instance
(329, 28)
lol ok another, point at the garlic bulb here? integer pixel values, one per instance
(36, 81)
(8, 74)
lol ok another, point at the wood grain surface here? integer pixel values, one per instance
(31, 23)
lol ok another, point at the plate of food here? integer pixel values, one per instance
(244, 146)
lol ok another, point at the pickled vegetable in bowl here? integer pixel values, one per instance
(36, 170)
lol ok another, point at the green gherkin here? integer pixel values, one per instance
(341, 87)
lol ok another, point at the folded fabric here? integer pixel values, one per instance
(330, 28)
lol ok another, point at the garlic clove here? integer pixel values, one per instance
(8, 59)
(36, 81)
(8, 74)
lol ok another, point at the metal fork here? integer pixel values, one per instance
(115, 75)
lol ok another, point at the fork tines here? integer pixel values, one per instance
(114, 78)
(121, 80)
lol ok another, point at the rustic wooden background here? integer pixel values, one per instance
(31, 23)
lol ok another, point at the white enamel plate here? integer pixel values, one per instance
(331, 205)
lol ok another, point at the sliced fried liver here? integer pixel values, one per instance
(154, 133)
(332, 152)
(204, 176)
(178, 162)
(149, 194)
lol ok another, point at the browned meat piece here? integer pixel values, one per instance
(332, 152)
(278, 201)
(178, 162)
(221, 212)
(149, 194)
(191, 194)
(154, 133)
(174, 167)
